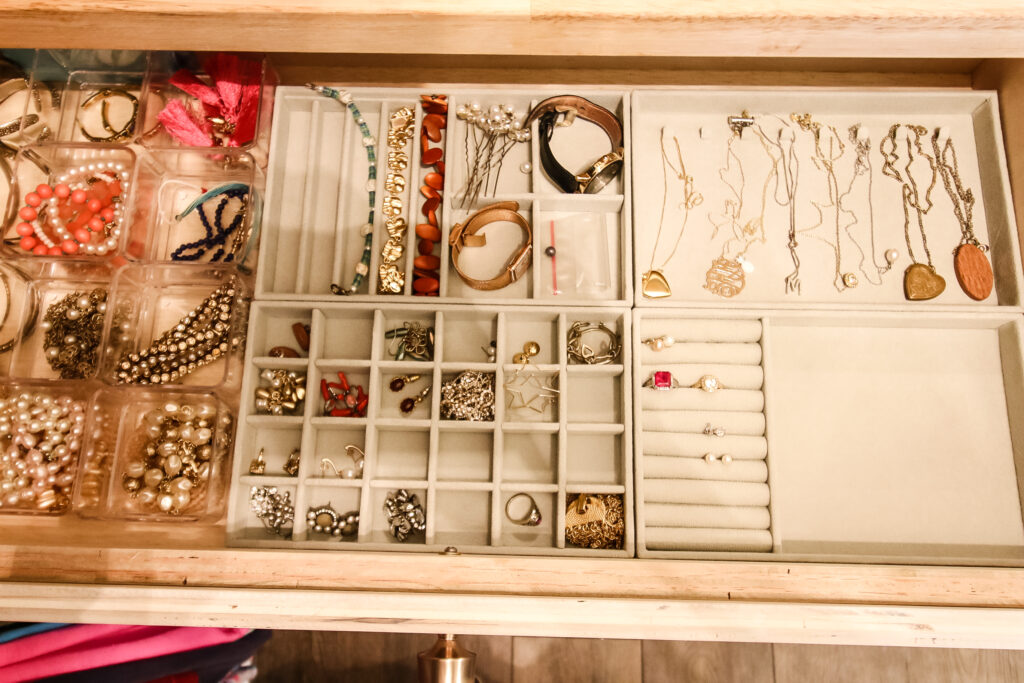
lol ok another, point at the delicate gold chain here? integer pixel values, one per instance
(827, 163)
(911, 192)
(961, 197)
(751, 231)
(789, 163)
(862, 167)
(691, 198)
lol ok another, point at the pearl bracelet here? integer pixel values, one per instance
(65, 218)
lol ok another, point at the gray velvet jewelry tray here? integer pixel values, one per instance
(463, 472)
(870, 223)
(886, 437)
(317, 197)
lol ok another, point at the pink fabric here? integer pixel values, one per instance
(89, 646)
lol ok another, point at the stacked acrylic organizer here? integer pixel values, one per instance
(464, 473)
(84, 117)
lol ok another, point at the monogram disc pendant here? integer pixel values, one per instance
(726, 277)
(921, 282)
(654, 285)
(973, 271)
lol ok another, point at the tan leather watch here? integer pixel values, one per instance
(464, 235)
(602, 171)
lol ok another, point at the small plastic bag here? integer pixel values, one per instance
(580, 265)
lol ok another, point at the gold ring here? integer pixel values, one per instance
(708, 383)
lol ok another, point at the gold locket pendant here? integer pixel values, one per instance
(654, 285)
(921, 282)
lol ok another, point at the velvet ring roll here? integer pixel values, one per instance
(700, 352)
(693, 421)
(697, 399)
(714, 516)
(704, 492)
(664, 538)
(668, 467)
(702, 330)
(696, 445)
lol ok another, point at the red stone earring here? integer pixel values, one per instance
(409, 404)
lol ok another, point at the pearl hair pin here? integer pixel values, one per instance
(490, 134)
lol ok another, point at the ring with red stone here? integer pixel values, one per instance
(662, 380)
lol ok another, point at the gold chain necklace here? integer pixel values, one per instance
(862, 167)
(727, 275)
(920, 281)
(654, 283)
(789, 164)
(973, 271)
(826, 162)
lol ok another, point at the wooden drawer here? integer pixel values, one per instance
(74, 570)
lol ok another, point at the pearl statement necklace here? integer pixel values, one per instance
(40, 438)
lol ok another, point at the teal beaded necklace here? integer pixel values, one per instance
(363, 267)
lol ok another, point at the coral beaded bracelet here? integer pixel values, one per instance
(80, 214)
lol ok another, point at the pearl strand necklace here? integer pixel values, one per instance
(40, 438)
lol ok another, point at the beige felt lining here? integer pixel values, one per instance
(696, 445)
(698, 399)
(705, 491)
(664, 538)
(717, 516)
(667, 467)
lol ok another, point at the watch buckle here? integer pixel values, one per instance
(570, 115)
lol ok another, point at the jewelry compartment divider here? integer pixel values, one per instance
(743, 183)
(317, 192)
(35, 289)
(42, 425)
(159, 91)
(71, 164)
(102, 106)
(462, 472)
(890, 438)
(157, 454)
(149, 301)
(171, 182)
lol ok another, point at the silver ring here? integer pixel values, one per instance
(531, 518)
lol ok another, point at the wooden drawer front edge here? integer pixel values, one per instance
(539, 616)
(566, 577)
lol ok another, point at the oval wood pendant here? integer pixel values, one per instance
(921, 282)
(973, 271)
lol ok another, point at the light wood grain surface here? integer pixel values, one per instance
(529, 27)
(300, 656)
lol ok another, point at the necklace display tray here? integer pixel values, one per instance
(866, 228)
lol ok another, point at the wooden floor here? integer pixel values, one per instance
(296, 656)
